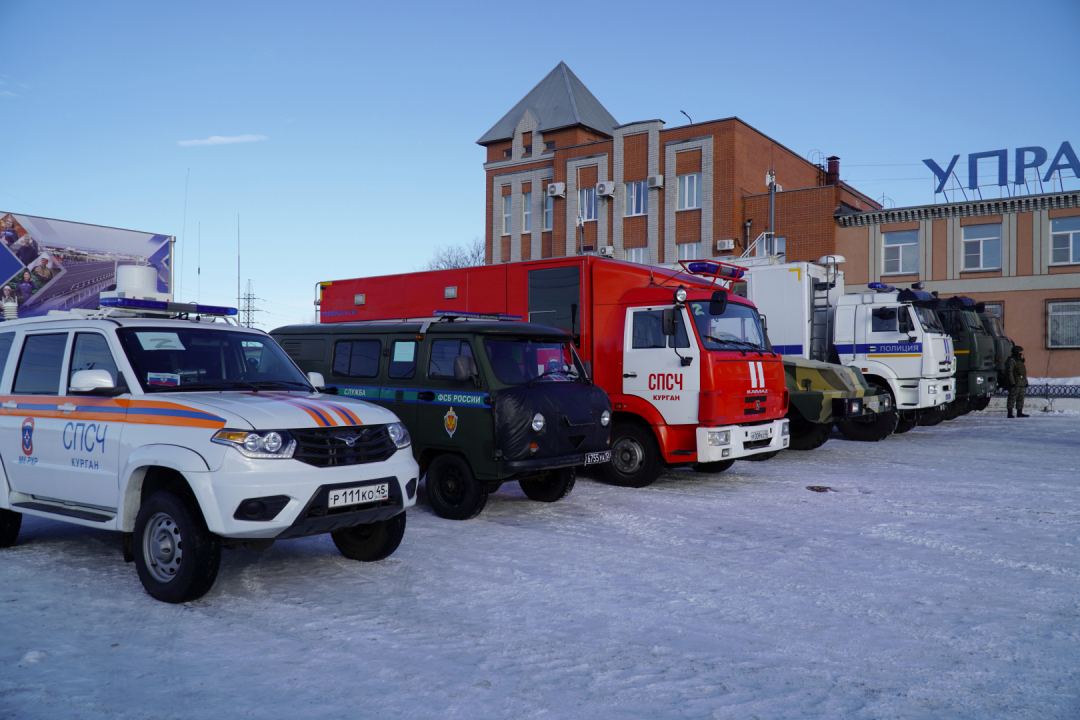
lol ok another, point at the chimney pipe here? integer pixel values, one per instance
(833, 177)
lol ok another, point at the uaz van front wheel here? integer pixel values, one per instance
(555, 485)
(453, 490)
(176, 556)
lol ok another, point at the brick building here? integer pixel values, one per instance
(1019, 255)
(653, 195)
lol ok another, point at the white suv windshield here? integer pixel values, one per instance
(170, 359)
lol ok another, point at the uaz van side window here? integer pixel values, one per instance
(443, 353)
(357, 358)
(403, 360)
(39, 367)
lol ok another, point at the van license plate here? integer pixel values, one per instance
(758, 434)
(359, 495)
(597, 457)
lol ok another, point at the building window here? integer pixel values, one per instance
(549, 145)
(526, 211)
(1065, 236)
(689, 251)
(508, 152)
(901, 252)
(690, 191)
(549, 213)
(637, 255)
(1063, 322)
(995, 309)
(587, 203)
(982, 247)
(637, 198)
(506, 214)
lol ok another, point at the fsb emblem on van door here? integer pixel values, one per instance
(450, 422)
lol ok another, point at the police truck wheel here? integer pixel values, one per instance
(371, 542)
(10, 522)
(932, 416)
(555, 485)
(955, 408)
(453, 490)
(908, 419)
(713, 467)
(635, 456)
(870, 428)
(176, 556)
(807, 435)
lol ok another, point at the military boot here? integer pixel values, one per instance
(1021, 414)
(1010, 414)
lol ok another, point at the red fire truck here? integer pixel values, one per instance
(684, 362)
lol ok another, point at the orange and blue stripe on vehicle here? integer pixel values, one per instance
(140, 412)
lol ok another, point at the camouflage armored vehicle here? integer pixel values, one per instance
(824, 393)
(486, 402)
(1002, 344)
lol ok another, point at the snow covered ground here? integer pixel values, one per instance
(939, 578)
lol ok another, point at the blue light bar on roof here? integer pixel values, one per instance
(881, 287)
(168, 307)
(475, 315)
(702, 267)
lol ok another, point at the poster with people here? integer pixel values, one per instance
(59, 265)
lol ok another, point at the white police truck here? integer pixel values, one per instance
(187, 433)
(900, 347)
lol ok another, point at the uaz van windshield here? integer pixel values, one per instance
(517, 361)
(738, 328)
(172, 359)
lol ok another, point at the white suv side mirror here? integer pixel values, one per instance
(316, 379)
(89, 380)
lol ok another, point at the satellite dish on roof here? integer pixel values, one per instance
(831, 260)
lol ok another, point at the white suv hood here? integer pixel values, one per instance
(284, 410)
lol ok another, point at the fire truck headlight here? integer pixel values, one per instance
(787, 429)
(538, 422)
(719, 437)
(680, 295)
(605, 418)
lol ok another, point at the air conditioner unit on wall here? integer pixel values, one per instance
(607, 251)
(725, 244)
(656, 181)
(556, 190)
(605, 189)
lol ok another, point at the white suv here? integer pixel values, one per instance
(187, 436)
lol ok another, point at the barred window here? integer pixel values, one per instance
(1063, 320)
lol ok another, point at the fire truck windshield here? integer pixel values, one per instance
(517, 361)
(737, 328)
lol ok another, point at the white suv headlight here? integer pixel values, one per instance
(399, 435)
(267, 444)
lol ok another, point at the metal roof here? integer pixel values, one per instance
(559, 100)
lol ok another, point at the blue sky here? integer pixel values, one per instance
(362, 117)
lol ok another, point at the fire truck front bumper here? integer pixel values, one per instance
(731, 442)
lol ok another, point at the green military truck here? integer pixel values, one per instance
(1002, 344)
(973, 346)
(486, 402)
(822, 394)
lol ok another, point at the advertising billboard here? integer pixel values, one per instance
(58, 265)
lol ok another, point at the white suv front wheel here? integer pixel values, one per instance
(176, 556)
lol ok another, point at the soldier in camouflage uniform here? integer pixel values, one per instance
(1016, 371)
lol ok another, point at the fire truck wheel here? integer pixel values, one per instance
(934, 416)
(713, 467)
(635, 456)
(871, 428)
(983, 402)
(176, 557)
(761, 457)
(556, 485)
(10, 522)
(371, 542)
(807, 435)
(908, 419)
(453, 490)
